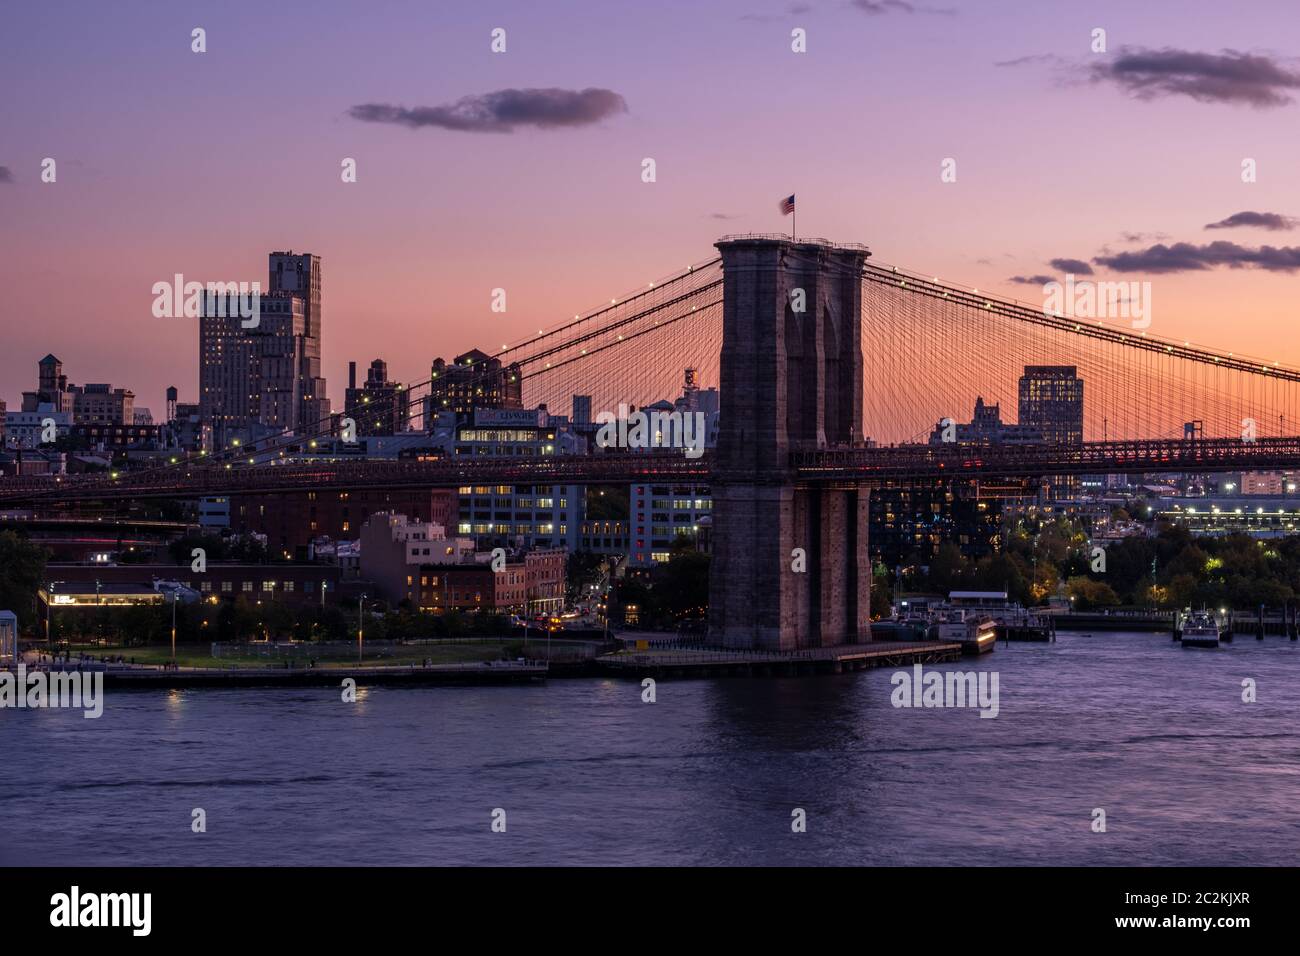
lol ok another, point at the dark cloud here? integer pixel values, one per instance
(502, 111)
(1186, 257)
(1144, 236)
(1262, 220)
(6, 176)
(1227, 77)
(723, 215)
(1076, 266)
(1032, 280)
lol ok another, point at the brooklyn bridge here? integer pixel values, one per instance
(833, 370)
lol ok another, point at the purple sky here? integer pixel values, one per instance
(171, 161)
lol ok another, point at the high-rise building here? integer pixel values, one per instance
(379, 407)
(299, 275)
(472, 380)
(265, 378)
(1051, 400)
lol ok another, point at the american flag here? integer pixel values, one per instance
(786, 205)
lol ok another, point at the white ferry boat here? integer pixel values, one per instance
(1201, 629)
(976, 633)
(1013, 622)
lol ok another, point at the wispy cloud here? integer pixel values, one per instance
(1259, 220)
(796, 9)
(876, 8)
(1226, 77)
(1031, 280)
(1144, 236)
(502, 111)
(1049, 59)
(1188, 257)
(6, 175)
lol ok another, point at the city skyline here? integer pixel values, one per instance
(761, 433)
(444, 213)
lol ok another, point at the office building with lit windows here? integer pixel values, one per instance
(660, 515)
(470, 381)
(1051, 400)
(265, 378)
(379, 406)
(523, 516)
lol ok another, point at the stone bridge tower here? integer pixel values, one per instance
(790, 567)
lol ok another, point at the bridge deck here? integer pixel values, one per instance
(873, 465)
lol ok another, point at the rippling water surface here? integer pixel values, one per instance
(1155, 734)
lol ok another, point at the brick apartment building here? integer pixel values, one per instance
(522, 587)
(291, 520)
(415, 561)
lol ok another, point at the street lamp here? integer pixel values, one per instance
(361, 626)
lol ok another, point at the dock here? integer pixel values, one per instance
(722, 662)
(1114, 621)
(494, 672)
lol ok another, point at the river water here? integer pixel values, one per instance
(1155, 735)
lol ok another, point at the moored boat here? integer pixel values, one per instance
(976, 633)
(1201, 629)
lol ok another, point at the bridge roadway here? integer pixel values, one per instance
(870, 465)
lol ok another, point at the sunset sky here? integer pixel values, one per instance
(173, 161)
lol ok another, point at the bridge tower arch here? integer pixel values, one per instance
(790, 567)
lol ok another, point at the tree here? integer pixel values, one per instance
(581, 569)
(946, 568)
(681, 584)
(1089, 594)
(22, 572)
